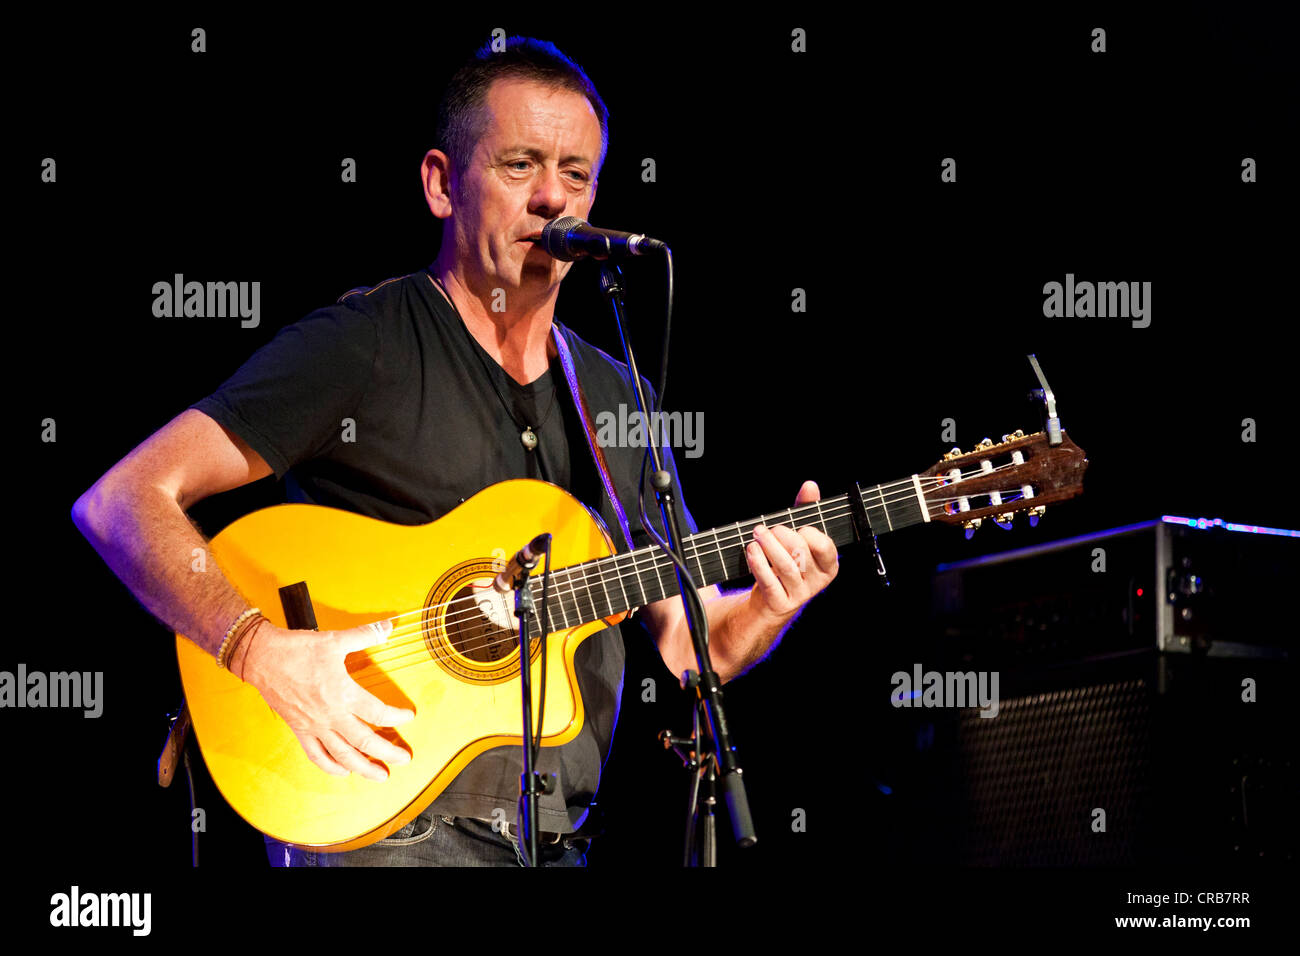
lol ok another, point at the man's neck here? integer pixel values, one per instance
(518, 339)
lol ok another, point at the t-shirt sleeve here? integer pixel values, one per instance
(290, 399)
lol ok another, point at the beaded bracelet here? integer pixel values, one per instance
(247, 628)
(223, 655)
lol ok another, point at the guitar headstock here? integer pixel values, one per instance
(997, 480)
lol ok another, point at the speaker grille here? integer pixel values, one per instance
(1033, 776)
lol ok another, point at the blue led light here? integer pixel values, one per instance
(1203, 523)
(1050, 546)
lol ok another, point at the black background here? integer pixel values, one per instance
(775, 170)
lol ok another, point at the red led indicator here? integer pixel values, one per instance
(1139, 592)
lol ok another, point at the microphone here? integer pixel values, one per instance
(525, 560)
(569, 238)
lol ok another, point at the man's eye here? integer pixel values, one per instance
(520, 163)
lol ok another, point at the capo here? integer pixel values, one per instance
(862, 531)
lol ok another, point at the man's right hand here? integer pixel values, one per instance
(302, 676)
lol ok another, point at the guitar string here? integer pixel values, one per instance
(590, 570)
(642, 561)
(651, 559)
(422, 653)
(657, 561)
(794, 513)
(645, 559)
(511, 635)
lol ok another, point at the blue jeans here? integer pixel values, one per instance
(434, 840)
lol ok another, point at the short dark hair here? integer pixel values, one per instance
(461, 120)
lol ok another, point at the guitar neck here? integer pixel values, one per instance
(608, 586)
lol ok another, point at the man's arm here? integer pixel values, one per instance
(789, 569)
(134, 516)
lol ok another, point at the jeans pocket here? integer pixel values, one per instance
(417, 831)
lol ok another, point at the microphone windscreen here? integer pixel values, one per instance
(555, 237)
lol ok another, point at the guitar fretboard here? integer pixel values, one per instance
(607, 586)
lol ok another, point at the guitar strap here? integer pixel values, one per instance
(584, 413)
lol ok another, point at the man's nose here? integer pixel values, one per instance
(550, 197)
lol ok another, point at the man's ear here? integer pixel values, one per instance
(435, 177)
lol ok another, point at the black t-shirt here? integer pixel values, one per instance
(384, 404)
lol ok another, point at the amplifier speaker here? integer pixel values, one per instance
(1145, 708)
(1152, 759)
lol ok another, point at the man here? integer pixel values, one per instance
(452, 380)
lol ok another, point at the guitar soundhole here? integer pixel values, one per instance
(482, 627)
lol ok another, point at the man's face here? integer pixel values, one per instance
(536, 160)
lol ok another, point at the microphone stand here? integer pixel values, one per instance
(531, 784)
(708, 688)
(700, 848)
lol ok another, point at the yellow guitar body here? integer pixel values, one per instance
(444, 660)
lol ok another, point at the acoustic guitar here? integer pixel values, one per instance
(453, 655)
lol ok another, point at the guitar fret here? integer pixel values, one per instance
(722, 561)
(557, 599)
(573, 591)
(583, 617)
(880, 493)
(589, 593)
(743, 545)
(665, 563)
(877, 525)
(618, 576)
(638, 575)
(554, 610)
(559, 604)
(600, 576)
(700, 578)
(654, 563)
(554, 605)
(634, 578)
(902, 510)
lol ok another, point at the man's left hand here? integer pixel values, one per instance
(790, 567)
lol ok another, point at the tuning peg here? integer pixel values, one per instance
(955, 453)
(1004, 521)
(985, 443)
(1035, 514)
(971, 525)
